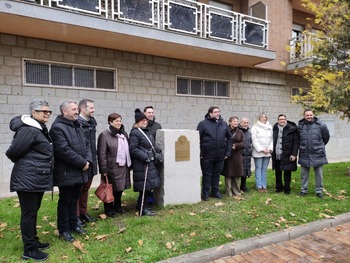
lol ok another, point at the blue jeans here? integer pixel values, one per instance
(261, 165)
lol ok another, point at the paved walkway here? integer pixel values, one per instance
(326, 240)
(329, 245)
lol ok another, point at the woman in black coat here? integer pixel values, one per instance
(285, 151)
(32, 154)
(143, 161)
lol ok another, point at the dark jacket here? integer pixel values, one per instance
(290, 144)
(247, 151)
(153, 126)
(31, 151)
(214, 138)
(233, 164)
(89, 128)
(140, 151)
(72, 151)
(107, 146)
(313, 139)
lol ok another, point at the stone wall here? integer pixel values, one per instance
(145, 80)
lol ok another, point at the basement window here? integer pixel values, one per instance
(68, 75)
(202, 87)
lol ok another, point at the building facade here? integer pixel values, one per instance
(180, 56)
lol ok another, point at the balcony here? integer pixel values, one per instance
(180, 29)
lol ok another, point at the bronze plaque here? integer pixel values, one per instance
(182, 149)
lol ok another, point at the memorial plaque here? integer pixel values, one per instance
(182, 149)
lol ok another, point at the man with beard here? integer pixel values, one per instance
(72, 162)
(88, 123)
(215, 147)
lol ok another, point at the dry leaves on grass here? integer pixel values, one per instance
(171, 212)
(45, 218)
(3, 226)
(121, 230)
(228, 236)
(79, 245)
(327, 216)
(219, 204)
(16, 205)
(101, 237)
(192, 234)
(268, 201)
(128, 249)
(140, 242)
(53, 224)
(192, 214)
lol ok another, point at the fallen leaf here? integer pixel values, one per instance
(121, 230)
(53, 224)
(220, 247)
(86, 237)
(79, 246)
(16, 205)
(219, 204)
(95, 207)
(276, 224)
(329, 211)
(192, 214)
(103, 216)
(268, 201)
(3, 225)
(292, 214)
(171, 211)
(140, 242)
(327, 216)
(168, 245)
(228, 236)
(46, 232)
(64, 257)
(45, 218)
(128, 249)
(39, 227)
(101, 237)
(339, 228)
(282, 220)
(56, 233)
(192, 234)
(162, 232)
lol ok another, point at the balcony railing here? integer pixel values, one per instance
(180, 16)
(301, 47)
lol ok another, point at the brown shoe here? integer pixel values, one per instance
(260, 190)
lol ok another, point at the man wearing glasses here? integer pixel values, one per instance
(215, 147)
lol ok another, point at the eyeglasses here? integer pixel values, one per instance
(44, 111)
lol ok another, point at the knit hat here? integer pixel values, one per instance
(139, 115)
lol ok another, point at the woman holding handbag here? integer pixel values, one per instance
(114, 161)
(145, 172)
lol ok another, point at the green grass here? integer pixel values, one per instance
(180, 229)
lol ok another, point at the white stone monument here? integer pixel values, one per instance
(181, 172)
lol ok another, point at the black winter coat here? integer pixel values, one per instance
(31, 151)
(140, 151)
(72, 151)
(290, 144)
(247, 151)
(313, 139)
(153, 126)
(215, 139)
(89, 128)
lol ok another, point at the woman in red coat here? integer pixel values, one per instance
(233, 168)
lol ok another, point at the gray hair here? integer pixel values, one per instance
(64, 105)
(37, 104)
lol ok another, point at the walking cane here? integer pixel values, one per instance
(144, 189)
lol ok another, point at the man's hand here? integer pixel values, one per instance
(86, 167)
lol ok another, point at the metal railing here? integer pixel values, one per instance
(181, 16)
(301, 47)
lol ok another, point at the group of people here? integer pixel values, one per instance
(227, 149)
(68, 157)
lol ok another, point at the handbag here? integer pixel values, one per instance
(104, 191)
(158, 156)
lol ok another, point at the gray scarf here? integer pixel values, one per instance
(279, 143)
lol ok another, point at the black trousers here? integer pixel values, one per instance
(116, 205)
(67, 207)
(30, 203)
(287, 178)
(211, 171)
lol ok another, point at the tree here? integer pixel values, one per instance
(329, 70)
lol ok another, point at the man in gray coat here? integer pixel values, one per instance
(314, 135)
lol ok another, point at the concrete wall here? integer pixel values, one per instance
(146, 80)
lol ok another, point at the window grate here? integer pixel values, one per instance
(202, 87)
(68, 75)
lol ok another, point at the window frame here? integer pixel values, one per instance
(74, 66)
(203, 87)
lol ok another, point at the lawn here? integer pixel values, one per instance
(177, 230)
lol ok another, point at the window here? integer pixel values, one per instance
(259, 10)
(202, 87)
(68, 75)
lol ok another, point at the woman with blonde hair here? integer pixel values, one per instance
(262, 139)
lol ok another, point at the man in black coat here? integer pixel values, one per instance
(285, 151)
(72, 161)
(215, 146)
(88, 123)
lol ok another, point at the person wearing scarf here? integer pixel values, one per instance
(114, 161)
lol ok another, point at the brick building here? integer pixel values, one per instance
(180, 56)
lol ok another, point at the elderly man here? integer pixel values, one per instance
(72, 162)
(314, 136)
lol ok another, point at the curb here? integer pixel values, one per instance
(242, 246)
